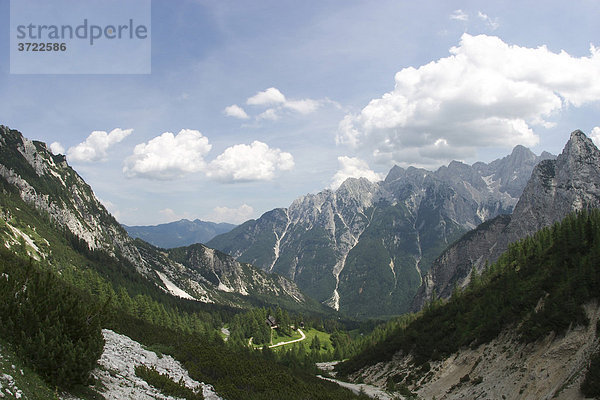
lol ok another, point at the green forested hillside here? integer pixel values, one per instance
(55, 328)
(59, 337)
(538, 286)
(72, 292)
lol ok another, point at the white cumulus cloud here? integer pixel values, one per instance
(595, 136)
(485, 93)
(57, 148)
(269, 96)
(231, 215)
(253, 162)
(96, 145)
(270, 114)
(168, 156)
(352, 167)
(235, 111)
(277, 105)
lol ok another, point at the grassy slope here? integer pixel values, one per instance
(310, 334)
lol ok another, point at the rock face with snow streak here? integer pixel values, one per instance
(556, 188)
(45, 182)
(365, 247)
(231, 276)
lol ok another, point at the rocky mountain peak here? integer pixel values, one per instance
(521, 155)
(522, 152)
(558, 187)
(360, 191)
(580, 149)
(457, 165)
(395, 173)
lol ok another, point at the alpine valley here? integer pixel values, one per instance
(68, 269)
(498, 262)
(365, 248)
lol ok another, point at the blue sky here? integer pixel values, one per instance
(252, 104)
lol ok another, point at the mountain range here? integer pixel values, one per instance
(571, 182)
(178, 233)
(365, 248)
(44, 199)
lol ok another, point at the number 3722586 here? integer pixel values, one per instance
(22, 46)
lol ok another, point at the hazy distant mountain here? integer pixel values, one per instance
(557, 187)
(365, 248)
(179, 233)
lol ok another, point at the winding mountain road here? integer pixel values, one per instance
(291, 341)
(283, 343)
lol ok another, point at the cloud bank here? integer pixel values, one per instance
(487, 93)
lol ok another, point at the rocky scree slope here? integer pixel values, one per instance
(45, 183)
(504, 368)
(364, 248)
(556, 188)
(116, 377)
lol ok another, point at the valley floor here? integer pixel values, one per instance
(371, 391)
